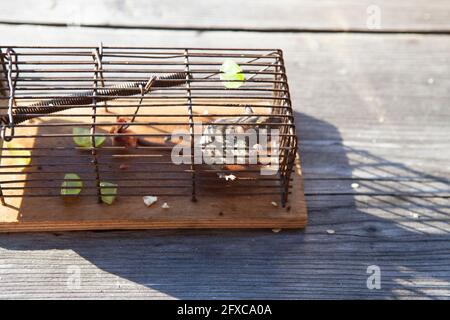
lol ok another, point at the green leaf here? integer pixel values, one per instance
(24, 155)
(71, 185)
(232, 81)
(108, 192)
(229, 66)
(86, 142)
(231, 74)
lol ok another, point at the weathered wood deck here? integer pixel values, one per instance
(372, 111)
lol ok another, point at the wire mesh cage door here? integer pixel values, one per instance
(81, 125)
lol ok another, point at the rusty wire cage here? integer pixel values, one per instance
(134, 98)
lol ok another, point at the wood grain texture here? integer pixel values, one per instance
(413, 258)
(371, 110)
(266, 15)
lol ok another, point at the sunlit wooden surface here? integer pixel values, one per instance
(374, 124)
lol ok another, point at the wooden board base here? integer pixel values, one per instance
(50, 214)
(214, 208)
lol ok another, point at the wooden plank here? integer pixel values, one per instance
(419, 188)
(243, 264)
(291, 15)
(48, 214)
(366, 108)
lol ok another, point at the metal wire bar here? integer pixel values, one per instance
(113, 135)
(97, 66)
(288, 155)
(187, 171)
(210, 88)
(137, 179)
(191, 124)
(9, 119)
(62, 107)
(100, 66)
(2, 198)
(142, 194)
(166, 105)
(150, 186)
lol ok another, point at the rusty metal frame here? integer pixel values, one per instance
(55, 79)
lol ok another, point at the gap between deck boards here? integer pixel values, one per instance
(232, 29)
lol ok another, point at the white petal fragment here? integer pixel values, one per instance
(227, 177)
(165, 206)
(149, 200)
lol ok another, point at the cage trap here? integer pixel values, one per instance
(140, 138)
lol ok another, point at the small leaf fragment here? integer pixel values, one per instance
(232, 80)
(71, 185)
(229, 66)
(108, 192)
(23, 156)
(86, 141)
(231, 74)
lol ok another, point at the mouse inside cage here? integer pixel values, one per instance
(141, 137)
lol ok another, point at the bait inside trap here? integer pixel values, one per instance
(88, 133)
